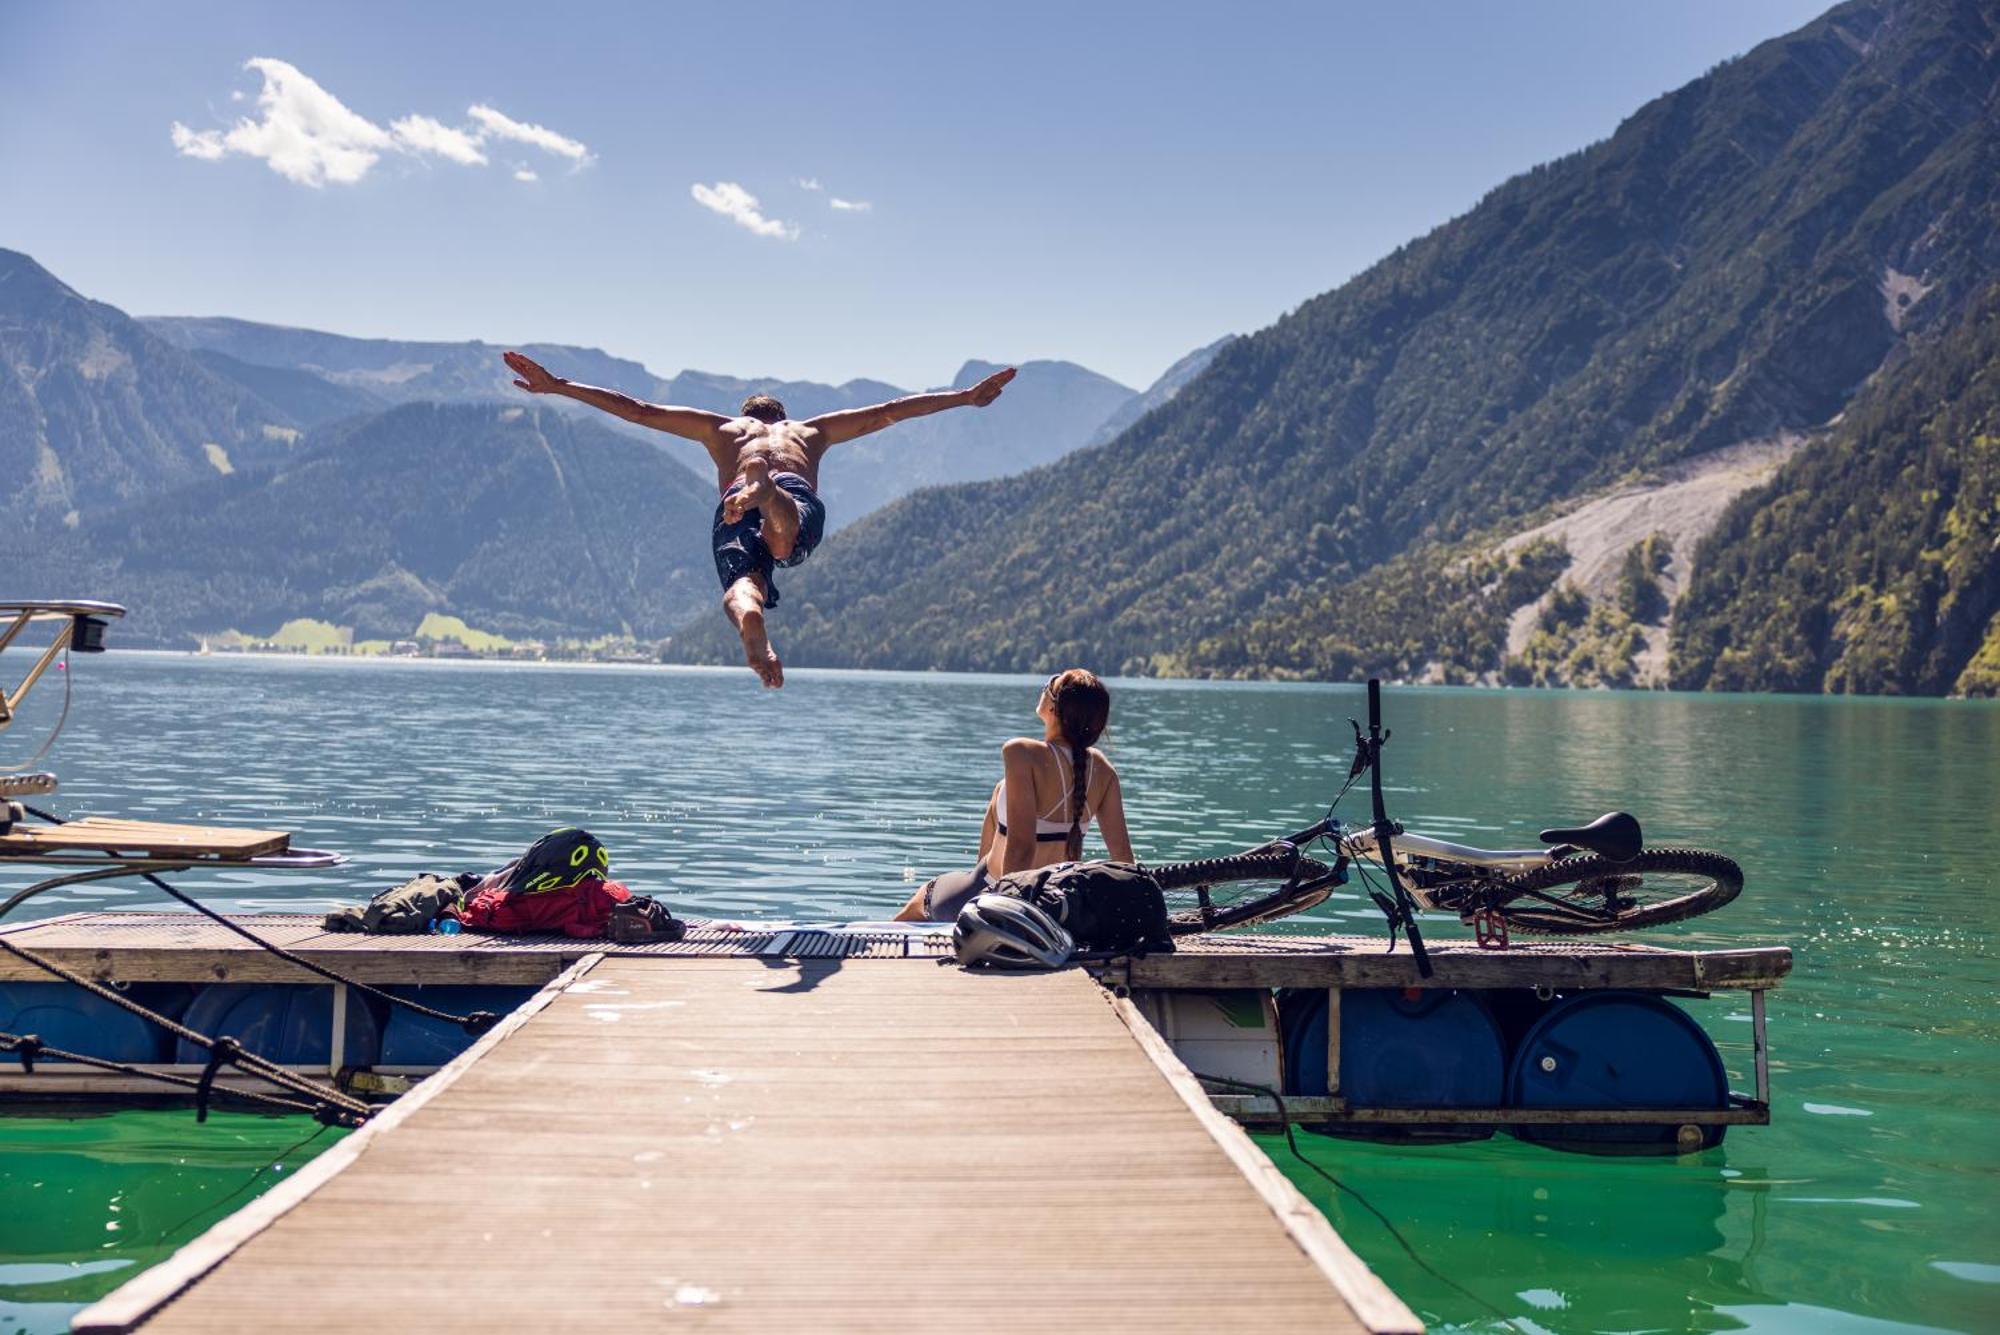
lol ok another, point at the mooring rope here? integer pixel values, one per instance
(30, 1049)
(1291, 1143)
(474, 1023)
(220, 1050)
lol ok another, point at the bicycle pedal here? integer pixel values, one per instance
(1489, 930)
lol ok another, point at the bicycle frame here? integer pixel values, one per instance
(1426, 862)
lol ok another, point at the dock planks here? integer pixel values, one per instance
(775, 1144)
(185, 947)
(101, 834)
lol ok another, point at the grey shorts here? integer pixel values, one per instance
(946, 896)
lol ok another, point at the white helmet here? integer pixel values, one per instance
(1008, 933)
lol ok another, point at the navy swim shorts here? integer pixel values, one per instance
(739, 547)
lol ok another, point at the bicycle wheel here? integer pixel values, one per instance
(1588, 893)
(1236, 891)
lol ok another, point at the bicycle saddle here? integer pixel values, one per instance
(1614, 835)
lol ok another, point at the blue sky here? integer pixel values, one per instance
(1113, 184)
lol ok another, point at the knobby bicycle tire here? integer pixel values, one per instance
(1181, 880)
(1589, 876)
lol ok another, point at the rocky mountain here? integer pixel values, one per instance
(308, 399)
(1171, 382)
(95, 410)
(1737, 263)
(521, 521)
(1051, 409)
(392, 371)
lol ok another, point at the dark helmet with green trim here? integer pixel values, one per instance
(558, 860)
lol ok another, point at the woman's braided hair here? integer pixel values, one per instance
(1082, 707)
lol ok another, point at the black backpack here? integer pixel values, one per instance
(1112, 907)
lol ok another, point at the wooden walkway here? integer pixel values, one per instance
(745, 1143)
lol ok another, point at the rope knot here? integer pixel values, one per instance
(27, 1047)
(479, 1022)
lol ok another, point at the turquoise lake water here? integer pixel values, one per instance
(1869, 831)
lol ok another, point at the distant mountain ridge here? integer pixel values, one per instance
(1171, 382)
(220, 474)
(1739, 260)
(1052, 408)
(521, 521)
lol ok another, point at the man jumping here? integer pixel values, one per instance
(768, 468)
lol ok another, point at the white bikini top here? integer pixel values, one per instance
(1048, 829)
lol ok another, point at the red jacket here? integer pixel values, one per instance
(580, 910)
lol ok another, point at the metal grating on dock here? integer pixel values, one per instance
(784, 1144)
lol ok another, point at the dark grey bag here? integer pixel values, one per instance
(408, 909)
(1107, 906)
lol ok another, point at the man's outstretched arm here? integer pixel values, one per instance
(693, 423)
(851, 422)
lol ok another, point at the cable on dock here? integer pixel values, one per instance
(30, 1049)
(474, 1023)
(220, 1050)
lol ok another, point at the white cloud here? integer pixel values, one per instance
(502, 126)
(738, 205)
(306, 134)
(810, 183)
(850, 205)
(203, 144)
(525, 174)
(421, 134)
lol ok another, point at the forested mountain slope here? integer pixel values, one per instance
(1735, 262)
(520, 521)
(1871, 563)
(95, 411)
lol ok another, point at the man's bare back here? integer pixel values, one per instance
(784, 447)
(767, 468)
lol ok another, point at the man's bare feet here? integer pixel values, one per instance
(757, 649)
(756, 489)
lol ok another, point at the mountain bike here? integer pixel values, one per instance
(1592, 878)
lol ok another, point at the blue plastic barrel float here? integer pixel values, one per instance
(1617, 1050)
(64, 1015)
(410, 1039)
(287, 1023)
(1399, 1048)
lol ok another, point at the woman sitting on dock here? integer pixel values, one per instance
(1051, 788)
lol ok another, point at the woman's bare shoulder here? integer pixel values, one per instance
(1021, 746)
(1098, 758)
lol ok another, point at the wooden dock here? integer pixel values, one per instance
(810, 1127)
(186, 947)
(746, 1142)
